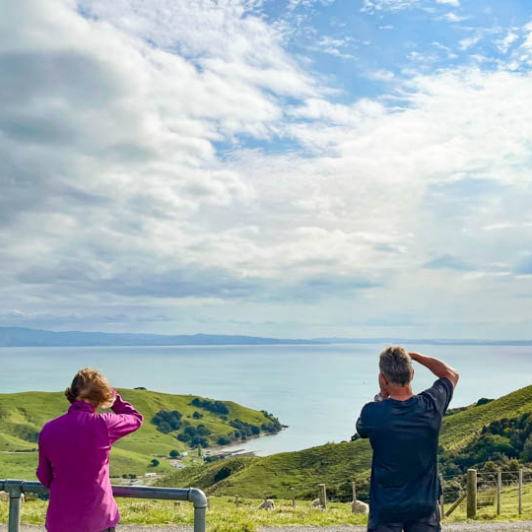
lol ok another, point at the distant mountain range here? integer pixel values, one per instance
(23, 337)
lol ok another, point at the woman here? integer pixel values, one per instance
(74, 455)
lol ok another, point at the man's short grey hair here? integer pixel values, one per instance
(396, 365)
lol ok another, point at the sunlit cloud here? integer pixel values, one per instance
(178, 164)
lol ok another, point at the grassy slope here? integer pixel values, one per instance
(335, 464)
(23, 414)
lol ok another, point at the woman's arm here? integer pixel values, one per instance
(124, 421)
(45, 472)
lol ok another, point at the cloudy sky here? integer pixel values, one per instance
(289, 168)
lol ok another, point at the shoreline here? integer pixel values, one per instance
(228, 451)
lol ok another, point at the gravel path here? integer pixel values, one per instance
(457, 527)
(522, 526)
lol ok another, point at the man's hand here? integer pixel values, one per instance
(439, 368)
(384, 393)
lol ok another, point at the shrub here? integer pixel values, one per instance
(167, 421)
(216, 407)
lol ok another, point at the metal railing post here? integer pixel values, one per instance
(200, 508)
(15, 489)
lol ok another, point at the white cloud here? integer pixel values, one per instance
(130, 171)
(452, 17)
(389, 5)
(469, 42)
(381, 75)
(454, 3)
(505, 44)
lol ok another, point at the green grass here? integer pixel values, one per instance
(225, 516)
(22, 416)
(336, 464)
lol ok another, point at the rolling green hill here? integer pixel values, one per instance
(22, 415)
(336, 465)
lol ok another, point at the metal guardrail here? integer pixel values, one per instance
(15, 488)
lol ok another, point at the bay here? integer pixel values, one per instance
(318, 390)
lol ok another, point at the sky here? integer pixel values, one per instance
(295, 168)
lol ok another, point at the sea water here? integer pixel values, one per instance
(317, 390)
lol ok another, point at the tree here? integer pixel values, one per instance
(174, 454)
(167, 421)
(154, 462)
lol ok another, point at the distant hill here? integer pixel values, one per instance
(22, 416)
(419, 341)
(22, 337)
(337, 465)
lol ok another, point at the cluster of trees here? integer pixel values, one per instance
(216, 407)
(244, 430)
(274, 426)
(498, 442)
(167, 421)
(195, 436)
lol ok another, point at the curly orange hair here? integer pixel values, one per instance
(91, 386)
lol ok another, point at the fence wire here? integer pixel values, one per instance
(494, 496)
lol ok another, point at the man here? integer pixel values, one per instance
(403, 429)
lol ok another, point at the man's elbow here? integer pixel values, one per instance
(453, 376)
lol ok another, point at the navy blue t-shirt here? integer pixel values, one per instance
(404, 437)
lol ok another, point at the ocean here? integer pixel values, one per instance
(317, 390)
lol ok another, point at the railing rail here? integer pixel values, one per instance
(15, 488)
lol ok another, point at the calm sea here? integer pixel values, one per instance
(317, 390)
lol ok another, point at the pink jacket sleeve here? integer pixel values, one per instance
(124, 421)
(44, 472)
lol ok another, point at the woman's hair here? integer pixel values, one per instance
(90, 385)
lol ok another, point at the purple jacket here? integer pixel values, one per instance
(74, 463)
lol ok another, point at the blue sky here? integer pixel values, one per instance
(300, 168)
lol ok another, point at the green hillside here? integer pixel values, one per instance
(335, 464)
(22, 416)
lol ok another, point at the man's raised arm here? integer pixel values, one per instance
(439, 368)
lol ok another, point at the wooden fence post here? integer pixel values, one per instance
(471, 493)
(520, 492)
(354, 488)
(293, 498)
(323, 496)
(499, 491)
(456, 504)
(442, 499)
(237, 501)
